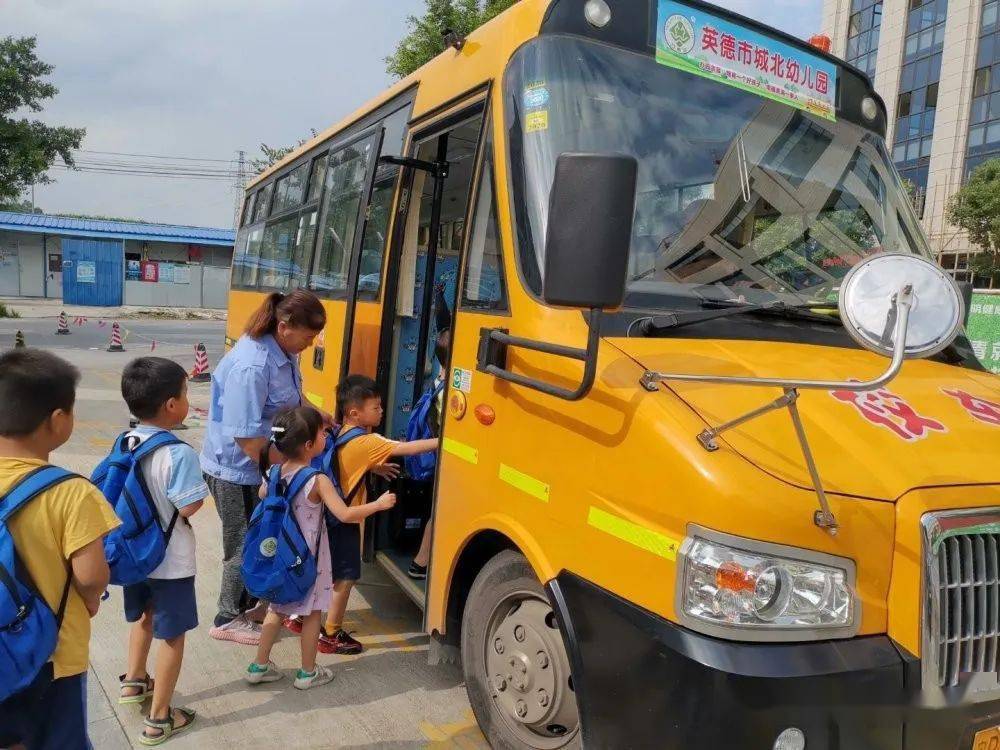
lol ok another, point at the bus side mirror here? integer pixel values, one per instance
(589, 231)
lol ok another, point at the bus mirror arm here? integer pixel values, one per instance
(438, 169)
(494, 344)
(824, 518)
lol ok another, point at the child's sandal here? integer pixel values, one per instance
(166, 727)
(143, 686)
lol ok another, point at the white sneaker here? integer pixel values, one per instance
(238, 630)
(321, 676)
(256, 674)
(256, 614)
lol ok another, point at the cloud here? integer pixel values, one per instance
(206, 78)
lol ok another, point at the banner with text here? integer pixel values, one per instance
(984, 329)
(701, 43)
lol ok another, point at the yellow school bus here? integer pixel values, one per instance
(660, 230)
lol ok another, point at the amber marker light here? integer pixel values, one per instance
(485, 415)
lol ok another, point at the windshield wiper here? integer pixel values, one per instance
(673, 321)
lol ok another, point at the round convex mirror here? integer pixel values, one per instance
(867, 301)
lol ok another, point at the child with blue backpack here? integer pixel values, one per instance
(297, 494)
(168, 486)
(52, 562)
(360, 450)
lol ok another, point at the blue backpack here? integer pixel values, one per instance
(421, 466)
(327, 463)
(137, 547)
(29, 629)
(277, 564)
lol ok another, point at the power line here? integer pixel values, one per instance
(151, 156)
(81, 163)
(147, 173)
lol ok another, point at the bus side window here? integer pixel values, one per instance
(345, 180)
(484, 288)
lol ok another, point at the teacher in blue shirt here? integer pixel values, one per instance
(257, 379)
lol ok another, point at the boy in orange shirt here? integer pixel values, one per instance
(58, 534)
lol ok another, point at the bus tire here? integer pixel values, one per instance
(516, 668)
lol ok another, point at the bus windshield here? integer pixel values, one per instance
(739, 197)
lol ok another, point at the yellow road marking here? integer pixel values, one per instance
(647, 539)
(463, 451)
(527, 484)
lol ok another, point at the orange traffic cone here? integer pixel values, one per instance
(116, 344)
(63, 329)
(200, 373)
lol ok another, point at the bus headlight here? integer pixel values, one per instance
(746, 590)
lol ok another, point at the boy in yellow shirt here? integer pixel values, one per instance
(57, 534)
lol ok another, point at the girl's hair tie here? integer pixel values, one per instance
(278, 430)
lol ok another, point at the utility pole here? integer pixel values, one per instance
(241, 183)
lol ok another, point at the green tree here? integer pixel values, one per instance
(28, 148)
(425, 39)
(271, 155)
(976, 209)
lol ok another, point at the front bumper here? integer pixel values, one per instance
(643, 682)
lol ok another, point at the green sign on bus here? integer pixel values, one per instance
(984, 329)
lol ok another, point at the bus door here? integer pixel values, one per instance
(418, 319)
(365, 309)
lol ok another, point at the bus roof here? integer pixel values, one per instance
(524, 17)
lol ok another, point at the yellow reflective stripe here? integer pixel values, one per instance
(315, 399)
(527, 485)
(647, 539)
(463, 451)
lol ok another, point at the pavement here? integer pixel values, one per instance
(388, 697)
(33, 307)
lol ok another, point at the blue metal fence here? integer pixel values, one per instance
(93, 272)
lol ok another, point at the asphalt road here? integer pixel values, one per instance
(140, 335)
(388, 697)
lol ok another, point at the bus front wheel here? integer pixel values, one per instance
(516, 669)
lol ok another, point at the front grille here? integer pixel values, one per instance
(962, 624)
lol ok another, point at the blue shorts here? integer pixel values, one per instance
(171, 601)
(26, 718)
(345, 549)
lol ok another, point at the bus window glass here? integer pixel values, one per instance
(288, 191)
(737, 197)
(376, 231)
(276, 253)
(395, 132)
(484, 287)
(251, 264)
(239, 257)
(375, 239)
(316, 177)
(345, 181)
(248, 208)
(304, 238)
(263, 203)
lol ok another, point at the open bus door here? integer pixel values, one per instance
(424, 269)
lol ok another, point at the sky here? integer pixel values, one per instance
(203, 79)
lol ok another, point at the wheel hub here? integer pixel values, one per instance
(529, 672)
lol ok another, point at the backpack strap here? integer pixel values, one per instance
(24, 491)
(301, 478)
(31, 486)
(340, 442)
(147, 447)
(153, 443)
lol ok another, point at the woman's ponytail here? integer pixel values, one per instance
(299, 309)
(265, 318)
